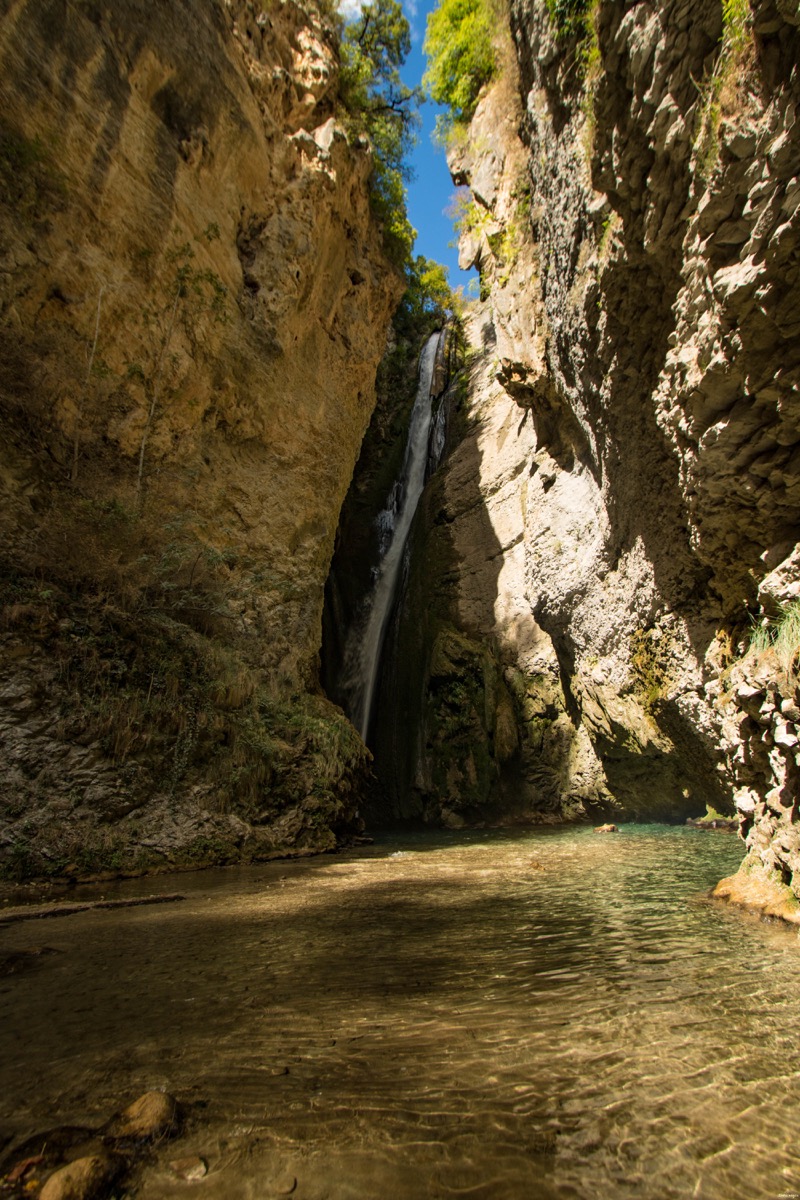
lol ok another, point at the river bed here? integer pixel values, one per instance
(516, 1016)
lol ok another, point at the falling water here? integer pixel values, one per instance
(394, 523)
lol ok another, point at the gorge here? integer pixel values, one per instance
(196, 298)
(266, 592)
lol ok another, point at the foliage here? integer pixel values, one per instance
(719, 92)
(469, 217)
(574, 22)
(461, 55)
(373, 48)
(570, 17)
(779, 640)
(523, 198)
(588, 62)
(466, 214)
(736, 25)
(610, 228)
(647, 669)
(427, 300)
(389, 205)
(170, 707)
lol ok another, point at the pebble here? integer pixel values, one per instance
(284, 1184)
(191, 1168)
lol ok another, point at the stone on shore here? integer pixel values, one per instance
(759, 892)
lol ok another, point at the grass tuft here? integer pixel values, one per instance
(719, 95)
(778, 642)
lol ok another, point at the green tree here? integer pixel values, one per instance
(373, 48)
(461, 54)
(427, 302)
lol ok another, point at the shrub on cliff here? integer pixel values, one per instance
(570, 16)
(725, 91)
(461, 54)
(373, 48)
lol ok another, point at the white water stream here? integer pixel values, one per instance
(395, 523)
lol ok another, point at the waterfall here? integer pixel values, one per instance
(394, 524)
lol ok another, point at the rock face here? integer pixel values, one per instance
(635, 413)
(475, 728)
(762, 744)
(194, 300)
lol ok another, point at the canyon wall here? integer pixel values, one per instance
(624, 499)
(194, 302)
(194, 299)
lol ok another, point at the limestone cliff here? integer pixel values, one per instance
(627, 492)
(193, 302)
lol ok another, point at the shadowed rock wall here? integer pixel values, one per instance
(193, 303)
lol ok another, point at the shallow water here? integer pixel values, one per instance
(530, 1015)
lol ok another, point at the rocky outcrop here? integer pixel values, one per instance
(194, 299)
(637, 234)
(761, 705)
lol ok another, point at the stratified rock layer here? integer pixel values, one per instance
(194, 300)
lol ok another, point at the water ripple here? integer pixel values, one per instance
(433, 1018)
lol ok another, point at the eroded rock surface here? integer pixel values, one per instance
(194, 300)
(637, 234)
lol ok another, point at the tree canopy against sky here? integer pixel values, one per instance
(374, 46)
(461, 55)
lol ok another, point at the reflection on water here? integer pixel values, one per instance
(537, 1015)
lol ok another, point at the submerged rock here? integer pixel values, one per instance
(191, 1168)
(153, 1115)
(84, 1179)
(283, 1185)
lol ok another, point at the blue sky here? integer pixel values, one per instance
(431, 191)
